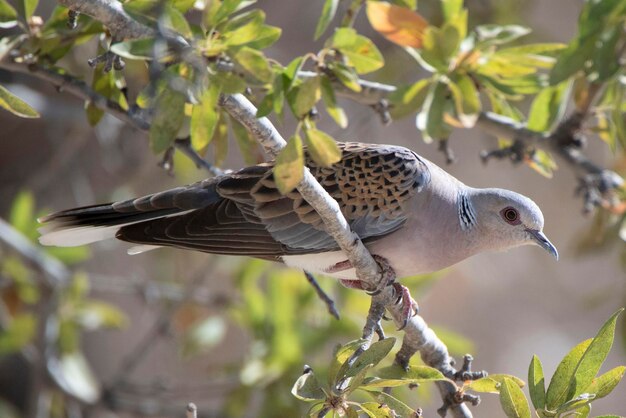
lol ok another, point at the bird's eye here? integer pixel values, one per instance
(510, 215)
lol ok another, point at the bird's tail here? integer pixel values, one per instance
(89, 224)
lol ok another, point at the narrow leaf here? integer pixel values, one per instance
(451, 8)
(536, 383)
(15, 105)
(466, 100)
(399, 25)
(602, 385)
(513, 401)
(493, 383)
(289, 168)
(373, 355)
(7, 13)
(328, 13)
(328, 95)
(560, 383)
(547, 107)
(594, 356)
(322, 147)
(137, 49)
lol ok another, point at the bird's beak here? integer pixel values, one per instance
(540, 238)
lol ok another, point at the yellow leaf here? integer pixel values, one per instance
(400, 25)
(289, 168)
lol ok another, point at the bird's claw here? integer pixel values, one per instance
(409, 306)
(388, 275)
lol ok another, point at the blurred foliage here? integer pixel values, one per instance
(471, 68)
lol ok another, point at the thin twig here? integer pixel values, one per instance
(330, 303)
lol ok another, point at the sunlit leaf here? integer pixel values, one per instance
(440, 45)
(536, 383)
(547, 107)
(451, 8)
(399, 408)
(289, 168)
(430, 119)
(95, 314)
(572, 59)
(322, 147)
(399, 25)
(75, 377)
(604, 384)
(136, 49)
(564, 374)
(493, 383)
(466, 100)
(581, 401)
(328, 96)
(204, 118)
(220, 142)
(307, 95)
(15, 105)
(19, 332)
(26, 8)
(373, 355)
(594, 356)
(408, 100)
(542, 162)
(346, 76)
(8, 15)
(307, 388)
(22, 213)
(360, 51)
(499, 34)
(328, 13)
(255, 63)
(513, 401)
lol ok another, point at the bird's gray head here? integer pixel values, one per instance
(508, 219)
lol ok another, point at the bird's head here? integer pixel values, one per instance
(510, 219)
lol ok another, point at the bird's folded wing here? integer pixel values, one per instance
(243, 212)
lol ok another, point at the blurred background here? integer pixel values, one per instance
(146, 334)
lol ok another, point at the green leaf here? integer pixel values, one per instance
(604, 384)
(439, 46)
(513, 401)
(94, 314)
(168, 118)
(360, 51)
(408, 100)
(341, 355)
(8, 15)
(177, 21)
(220, 142)
(255, 63)
(22, 213)
(451, 8)
(265, 37)
(542, 162)
(307, 388)
(399, 408)
(560, 383)
(594, 356)
(26, 8)
(466, 99)
(328, 13)
(581, 401)
(229, 82)
(572, 59)
(328, 96)
(307, 95)
(322, 147)
(248, 146)
(430, 119)
(136, 49)
(536, 383)
(373, 355)
(606, 60)
(496, 34)
(15, 105)
(493, 383)
(548, 107)
(377, 410)
(204, 118)
(245, 28)
(289, 168)
(204, 335)
(396, 376)
(346, 76)
(19, 332)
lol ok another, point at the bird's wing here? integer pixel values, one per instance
(243, 213)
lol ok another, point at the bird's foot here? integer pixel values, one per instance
(409, 305)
